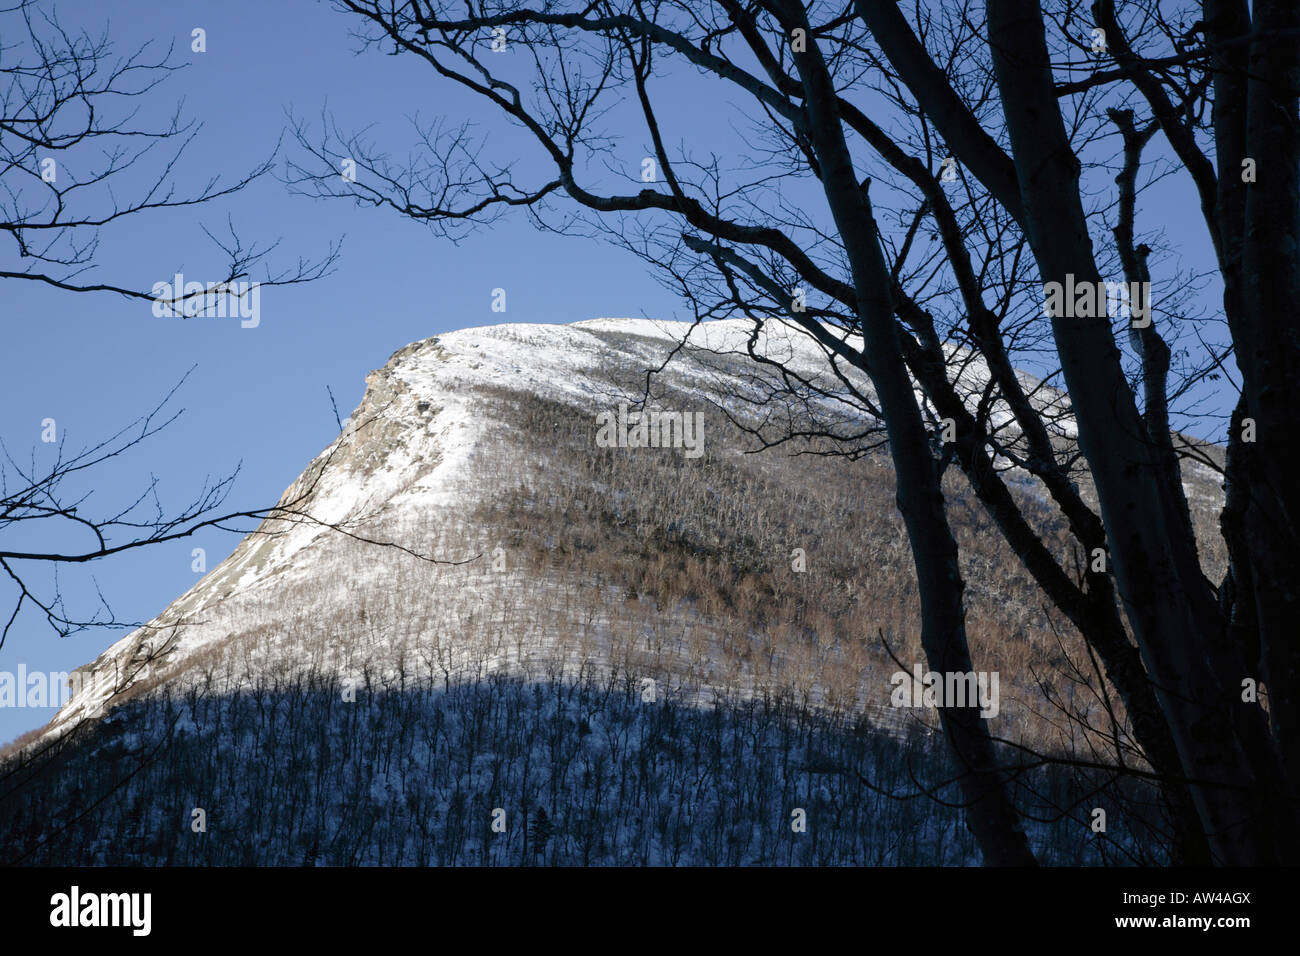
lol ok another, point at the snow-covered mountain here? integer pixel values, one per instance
(414, 460)
(477, 524)
(429, 444)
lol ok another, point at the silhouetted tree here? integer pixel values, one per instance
(911, 189)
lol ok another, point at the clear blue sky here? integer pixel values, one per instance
(258, 396)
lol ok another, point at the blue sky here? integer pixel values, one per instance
(257, 397)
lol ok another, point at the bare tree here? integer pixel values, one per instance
(878, 188)
(77, 161)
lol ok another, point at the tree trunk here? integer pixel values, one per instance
(991, 812)
(1174, 614)
(1270, 292)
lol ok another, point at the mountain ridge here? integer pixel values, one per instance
(410, 439)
